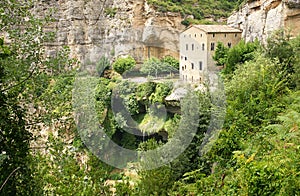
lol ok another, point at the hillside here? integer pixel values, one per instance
(70, 127)
(199, 10)
(119, 27)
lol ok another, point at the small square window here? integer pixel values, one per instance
(192, 46)
(185, 58)
(213, 35)
(203, 46)
(200, 65)
(192, 65)
(225, 35)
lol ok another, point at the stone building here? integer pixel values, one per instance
(197, 47)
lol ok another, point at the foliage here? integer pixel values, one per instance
(256, 153)
(236, 55)
(157, 181)
(162, 90)
(220, 55)
(145, 90)
(156, 67)
(102, 96)
(125, 94)
(102, 65)
(65, 172)
(25, 73)
(198, 9)
(286, 51)
(279, 46)
(171, 125)
(171, 61)
(123, 64)
(111, 12)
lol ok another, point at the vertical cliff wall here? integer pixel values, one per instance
(92, 28)
(259, 18)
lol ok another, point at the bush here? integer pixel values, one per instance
(171, 61)
(102, 65)
(124, 64)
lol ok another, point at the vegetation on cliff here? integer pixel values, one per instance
(199, 10)
(42, 153)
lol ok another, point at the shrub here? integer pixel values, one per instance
(124, 64)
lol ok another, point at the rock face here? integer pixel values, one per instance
(93, 28)
(259, 18)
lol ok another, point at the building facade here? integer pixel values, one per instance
(197, 47)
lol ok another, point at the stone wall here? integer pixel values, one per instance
(259, 18)
(92, 28)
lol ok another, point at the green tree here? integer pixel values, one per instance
(239, 54)
(154, 67)
(221, 54)
(24, 75)
(123, 64)
(171, 61)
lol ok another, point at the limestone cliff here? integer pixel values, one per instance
(92, 28)
(259, 18)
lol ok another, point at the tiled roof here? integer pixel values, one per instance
(217, 29)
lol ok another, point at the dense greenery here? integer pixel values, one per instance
(231, 58)
(24, 74)
(198, 9)
(41, 152)
(123, 64)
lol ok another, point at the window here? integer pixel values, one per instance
(182, 68)
(185, 77)
(192, 65)
(181, 57)
(185, 58)
(225, 35)
(195, 35)
(192, 79)
(213, 35)
(201, 34)
(212, 46)
(229, 45)
(192, 46)
(203, 46)
(200, 65)
(186, 46)
(235, 35)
